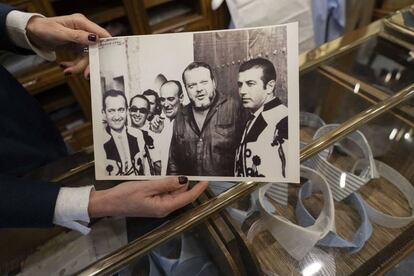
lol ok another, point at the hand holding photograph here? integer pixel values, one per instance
(219, 105)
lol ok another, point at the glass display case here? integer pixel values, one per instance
(352, 213)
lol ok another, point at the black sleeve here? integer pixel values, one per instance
(26, 203)
(172, 168)
(281, 132)
(5, 41)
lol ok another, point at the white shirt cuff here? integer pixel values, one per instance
(71, 208)
(16, 22)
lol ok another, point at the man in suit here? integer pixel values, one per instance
(123, 155)
(261, 152)
(154, 118)
(139, 108)
(171, 99)
(29, 140)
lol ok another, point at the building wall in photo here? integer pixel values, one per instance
(225, 51)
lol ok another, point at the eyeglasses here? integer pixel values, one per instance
(134, 109)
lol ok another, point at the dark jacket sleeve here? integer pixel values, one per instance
(5, 41)
(24, 203)
(173, 163)
(27, 203)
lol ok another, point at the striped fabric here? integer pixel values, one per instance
(276, 191)
(298, 241)
(344, 183)
(279, 193)
(318, 263)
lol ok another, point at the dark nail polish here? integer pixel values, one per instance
(62, 66)
(92, 37)
(88, 77)
(68, 73)
(182, 180)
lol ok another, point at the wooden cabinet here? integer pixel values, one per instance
(387, 7)
(67, 99)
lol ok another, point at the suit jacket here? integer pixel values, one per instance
(261, 152)
(28, 140)
(114, 164)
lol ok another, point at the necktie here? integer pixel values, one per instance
(125, 158)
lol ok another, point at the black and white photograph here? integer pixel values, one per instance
(219, 105)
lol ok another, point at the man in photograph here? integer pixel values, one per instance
(261, 152)
(154, 118)
(123, 156)
(207, 131)
(139, 108)
(171, 99)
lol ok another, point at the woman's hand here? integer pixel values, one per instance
(54, 32)
(154, 198)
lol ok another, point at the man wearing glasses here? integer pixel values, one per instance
(139, 109)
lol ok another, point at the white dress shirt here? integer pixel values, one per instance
(71, 209)
(121, 143)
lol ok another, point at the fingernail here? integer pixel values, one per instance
(62, 66)
(182, 180)
(68, 73)
(88, 76)
(92, 37)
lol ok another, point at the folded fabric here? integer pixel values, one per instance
(328, 19)
(192, 261)
(315, 122)
(316, 262)
(344, 183)
(278, 192)
(332, 239)
(298, 241)
(401, 183)
(311, 120)
(256, 13)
